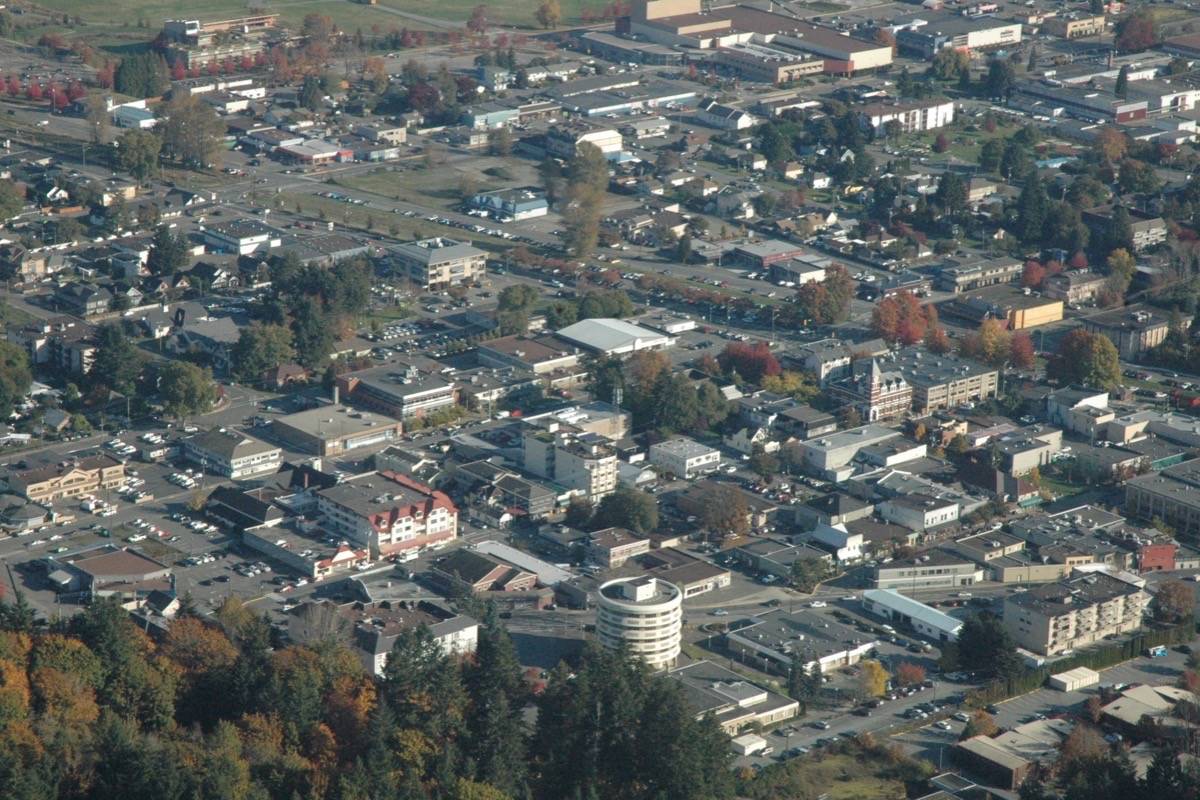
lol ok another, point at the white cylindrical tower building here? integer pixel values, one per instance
(643, 614)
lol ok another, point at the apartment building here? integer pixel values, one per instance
(913, 116)
(944, 381)
(584, 462)
(684, 458)
(45, 483)
(227, 452)
(439, 263)
(1074, 286)
(1059, 617)
(1147, 230)
(388, 512)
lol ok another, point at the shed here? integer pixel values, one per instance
(1074, 679)
(748, 744)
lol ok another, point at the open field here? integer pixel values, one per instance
(100, 17)
(841, 776)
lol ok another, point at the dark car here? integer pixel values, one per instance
(861, 711)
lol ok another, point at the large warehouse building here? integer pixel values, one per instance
(685, 23)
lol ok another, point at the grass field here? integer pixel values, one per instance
(839, 776)
(419, 186)
(99, 16)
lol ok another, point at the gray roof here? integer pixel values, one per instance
(437, 250)
(228, 444)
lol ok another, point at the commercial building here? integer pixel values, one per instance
(732, 701)
(928, 34)
(775, 639)
(306, 552)
(934, 570)
(1008, 759)
(943, 381)
(1172, 495)
(1133, 330)
(371, 629)
(775, 557)
(913, 116)
(480, 573)
(829, 454)
(399, 394)
(925, 620)
(686, 23)
(1075, 26)
(388, 512)
(613, 336)
(963, 276)
(612, 547)
(684, 458)
(241, 236)
(919, 512)
(334, 430)
(439, 263)
(227, 452)
(108, 571)
(513, 205)
(1074, 679)
(1053, 99)
(765, 64)
(642, 615)
(46, 482)
(1074, 286)
(1059, 617)
(540, 355)
(563, 141)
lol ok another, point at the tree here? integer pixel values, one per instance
(774, 144)
(990, 154)
(627, 508)
(1000, 78)
(1121, 89)
(1111, 144)
(991, 344)
(1087, 359)
(803, 683)
(496, 691)
(981, 723)
(168, 252)
(259, 348)
(753, 362)
(909, 674)
(1031, 209)
(1175, 601)
(312, 333)
(1136, 32)
(587, 181)
(311, 96)
(724, 512)
(579, 512)
(186, 389)
(138, 152)
(1138, 177)
(1033, 275)
(873, 678)
(806, 573)
(950, 64)
(15, 376)
(515, 305)
(951, 194)
(500, 141)
(549, 14)
(1021, 352)
(142, 75)
(192, 133)
(117, 364)
(683, 249)
(984, 645)
(899, 317)
(477, 23)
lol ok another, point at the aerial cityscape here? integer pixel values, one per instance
(571, 400)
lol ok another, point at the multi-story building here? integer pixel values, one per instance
(439, 263)
(1172, 495)
(45, 483)
(63, 343)
(928, 34)
(1055, 618)
(935, 570)
(372, 628)
(1147, 230)
(1075, 286)
(876, 393)
(388, 512)
(913, 116)
(584, 462)
(963, 276)
(685, 458)
(642, 615)
(612, 547)
(334, 430)
(1075, 26)
(227, 452)
(409, 393)
(1133, 329)
(943, 381)
(828, 454)
(196, 44)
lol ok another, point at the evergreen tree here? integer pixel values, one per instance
(1031, 210)
(1121, 88)
(497, 693)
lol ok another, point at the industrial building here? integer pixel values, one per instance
(925, 620)
(613, 336)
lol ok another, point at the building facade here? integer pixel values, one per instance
(643, 615)
(389, 512)
(227, 452)
(1056, 618)
(439, 263)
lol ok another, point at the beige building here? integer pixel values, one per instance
(1074, 286)
(944, 381)
(583, 462)
(49, 482)
(439, 263)
(643, 616)
(1172, 495)
(1133, 329)
(1075, 27)
(757, 62)
(1074, 612)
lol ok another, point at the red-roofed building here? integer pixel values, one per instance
(389, 512)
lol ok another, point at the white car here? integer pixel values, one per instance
(817, 604)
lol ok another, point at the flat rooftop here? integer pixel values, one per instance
(334, 422)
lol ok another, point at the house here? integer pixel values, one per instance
(84, 300)
(748, 440)
(727, 118)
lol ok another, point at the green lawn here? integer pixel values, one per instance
(447, 185)
(14, 317)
